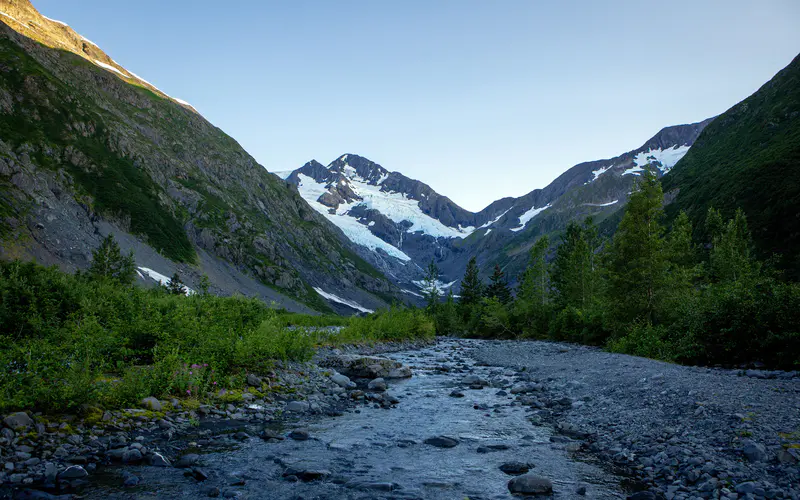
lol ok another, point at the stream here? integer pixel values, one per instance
(375, 453)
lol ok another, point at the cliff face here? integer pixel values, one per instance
(88, 148)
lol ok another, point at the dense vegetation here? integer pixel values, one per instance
(644, 291)
(95, 338)
(749, 158)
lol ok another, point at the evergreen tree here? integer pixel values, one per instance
(730, 257)
(109, 263)
(204, 285)
(498, 286)
(471, 291)
(430, 288)
(531, 308)
(681, 250)
(573, 268)
(447, 321)
(636, 263)
(535, 283)
(175, 285)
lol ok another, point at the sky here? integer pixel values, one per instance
(480, 100)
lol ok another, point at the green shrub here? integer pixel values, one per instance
(395, 323)
(644, 339)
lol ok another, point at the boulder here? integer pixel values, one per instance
(297, 406)
(442, 442)
(378, 385)
(19, 420)
(151, 403)
(253, 380)
(343, 381)
(530, 484)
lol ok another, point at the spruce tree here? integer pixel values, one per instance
(430, 288)
(109, 263)
(470, 295)
(636, 263)
(573, 268)
(175, 285)
(531, 308)
(498, 286)
(731, 258)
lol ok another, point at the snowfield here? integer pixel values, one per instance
(339, 300)
(527, 216)
(666, 157)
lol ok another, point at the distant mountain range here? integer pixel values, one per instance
(404, 223)
(88, 148)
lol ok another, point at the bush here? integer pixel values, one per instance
(71, 340)
(395, 323)
(644, 339)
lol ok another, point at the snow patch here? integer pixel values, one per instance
(667, 158)
(339, 300)
(358, 233)
(633, 171)
(88, 41)
(601, 204)
(10, 17)
(109, 67)
(493, 220)
(56, 21)
(527, 216)
(600, 171)
(161, 279)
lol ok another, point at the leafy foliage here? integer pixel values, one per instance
(109, 263)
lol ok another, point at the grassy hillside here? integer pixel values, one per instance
(749, 157)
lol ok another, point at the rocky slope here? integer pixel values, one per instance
(87, 148)
(402, 223)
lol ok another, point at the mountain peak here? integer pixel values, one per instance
(22, 16)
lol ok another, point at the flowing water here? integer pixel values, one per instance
(378, 453)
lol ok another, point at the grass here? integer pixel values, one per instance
(67, 341)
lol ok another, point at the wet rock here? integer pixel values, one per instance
(343, 381)
(456, 394)
(492, 447)
(644, 495)
(253, 380)
(159, 460)
(581, 490)
(210, 491)
(151, 403)
(73, 472)
(299, 435)
(132, 456)
(199, 474)
(19, 420)
(307, 475)
(525, 388)
(400, 372)
(268, 434)
(515, 468)
(187, 460)
(130, 481)
(378, 385)
(442, 442)
(298, 406)
(530, 484)
(475, 380)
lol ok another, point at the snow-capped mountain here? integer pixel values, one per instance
(401, 223)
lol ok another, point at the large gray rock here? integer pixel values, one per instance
(19, 420)
(343, 381)
(378, 385)
(253, 380)
(754, 452)
(74, 472)
(298, 406)
(529, 484)
(442, 442)
(151, 403)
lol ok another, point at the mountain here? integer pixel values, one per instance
(403, 224)
(87, 148)
(749, 158)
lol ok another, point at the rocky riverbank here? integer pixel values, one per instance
(683, 432)
(42, 455)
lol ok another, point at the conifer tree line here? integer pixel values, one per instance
(685, 294)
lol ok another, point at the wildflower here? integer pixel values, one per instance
(190, 373)
(189, 392)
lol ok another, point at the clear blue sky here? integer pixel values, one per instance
(479, 99)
